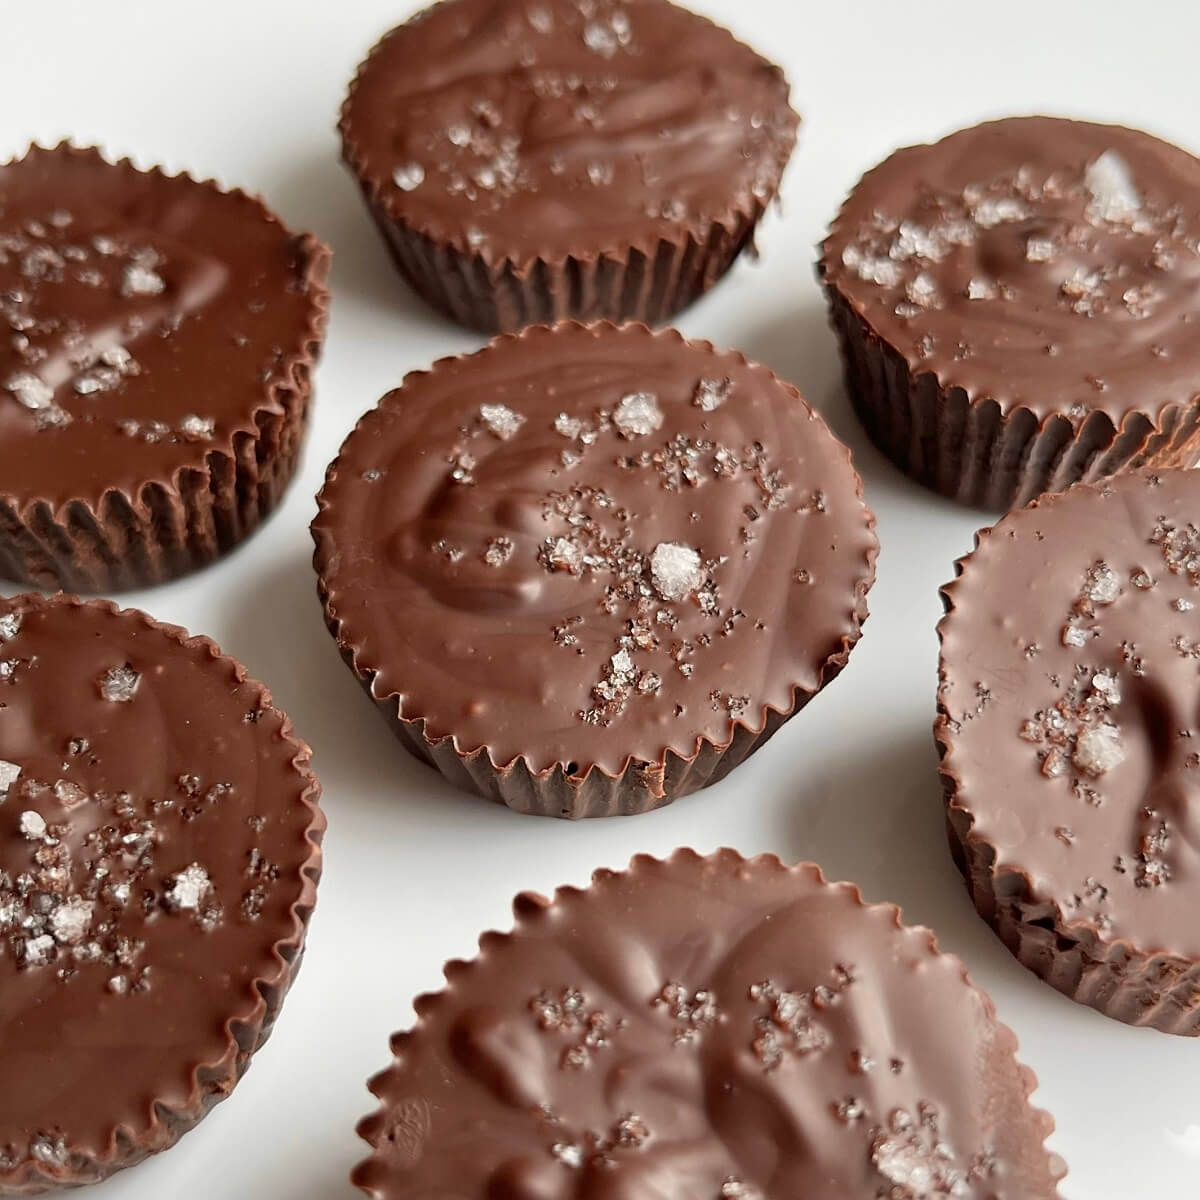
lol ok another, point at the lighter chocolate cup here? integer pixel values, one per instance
(503, 285)
(139, 529)
(533, 780)
(44, 1155)
(991, 408)
(1074, 947)
(572, 1022)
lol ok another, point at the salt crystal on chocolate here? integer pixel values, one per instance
(501, 420)
(139, 280)
(409, 177)
(119, 684)
(32, 825)
(71, 920)
(1102, 586)
(637, 415)
(1098, 750)
(10, 626)
(188, 888)
(9, 774)
(710, 394)
(30, 390)
(1114, 194)
(675, 570)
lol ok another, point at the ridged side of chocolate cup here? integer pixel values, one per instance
(649, 281)
(650, 284)
(1119, 979)
(377, 1128)
(212, 1082)
(175, 525)
(569, 790)
(972, 450)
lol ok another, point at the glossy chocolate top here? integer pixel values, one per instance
(708, 1028)
(546, 128)
(1047, 264)
(590, 543)
(157, 826)
(1070, 697)
(144, 321)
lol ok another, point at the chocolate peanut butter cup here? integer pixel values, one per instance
(711, 1028)
(156, 371)
(1016, 306)
(1070, 746)
(591, 568)
(159, 856)
(531, 161)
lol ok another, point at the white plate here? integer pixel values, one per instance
(248, 91)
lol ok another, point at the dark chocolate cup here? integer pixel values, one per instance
(973, 451)
(1130, 984)
(212, 1081)
(171, 526)
(648, 281)
(391, 1130)
(575, 790)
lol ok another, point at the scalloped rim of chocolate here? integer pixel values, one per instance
(953, 784)
(1008, 409)
(325, 551)
(168, 1123)
(524, 264)
(527, 903)
(295, 364)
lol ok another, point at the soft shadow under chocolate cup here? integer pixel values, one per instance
(1067, 724)
(591, 568)
(529, 162)
(159, 858)
(706, 1028)
(154, 388)
(1016, 307)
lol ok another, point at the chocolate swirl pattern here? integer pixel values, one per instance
(159, 853)
(1067, 720)
(591, 545)
(709, 1028)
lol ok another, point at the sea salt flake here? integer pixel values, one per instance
(638, 414)
(568, 1153)
(1073, 635)
(139, 280)
(32, 825)
(675, 570)
(409, 176)
(1102, 585)
(922, 291)
(710, 394)
(459, 135)
(38, 951)
(1110, 184)
(30, 390)
(189, 887)
(119, 684)
(1098, 750)
(501, 420)
(998, 211)
(981, 289)
(69, 795)
(1038, 249)
(600, 39)
(71, 920)
(498, 551)
(197, 429)
(9, 774)
(10, 626)
(568, 426)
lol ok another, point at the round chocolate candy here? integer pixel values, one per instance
(1071, 751)
(591, 568)
(155, 380)
(529, 161)
(1016, 306)
(159, 856)
(713, 1028)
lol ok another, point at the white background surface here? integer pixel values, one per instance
(248, 91)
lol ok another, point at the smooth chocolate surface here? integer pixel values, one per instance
(591, 543)
(158, 830)
(709, 1028)
(1046, 264)
(1069, 698)
(526, 129)
(147, 320)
